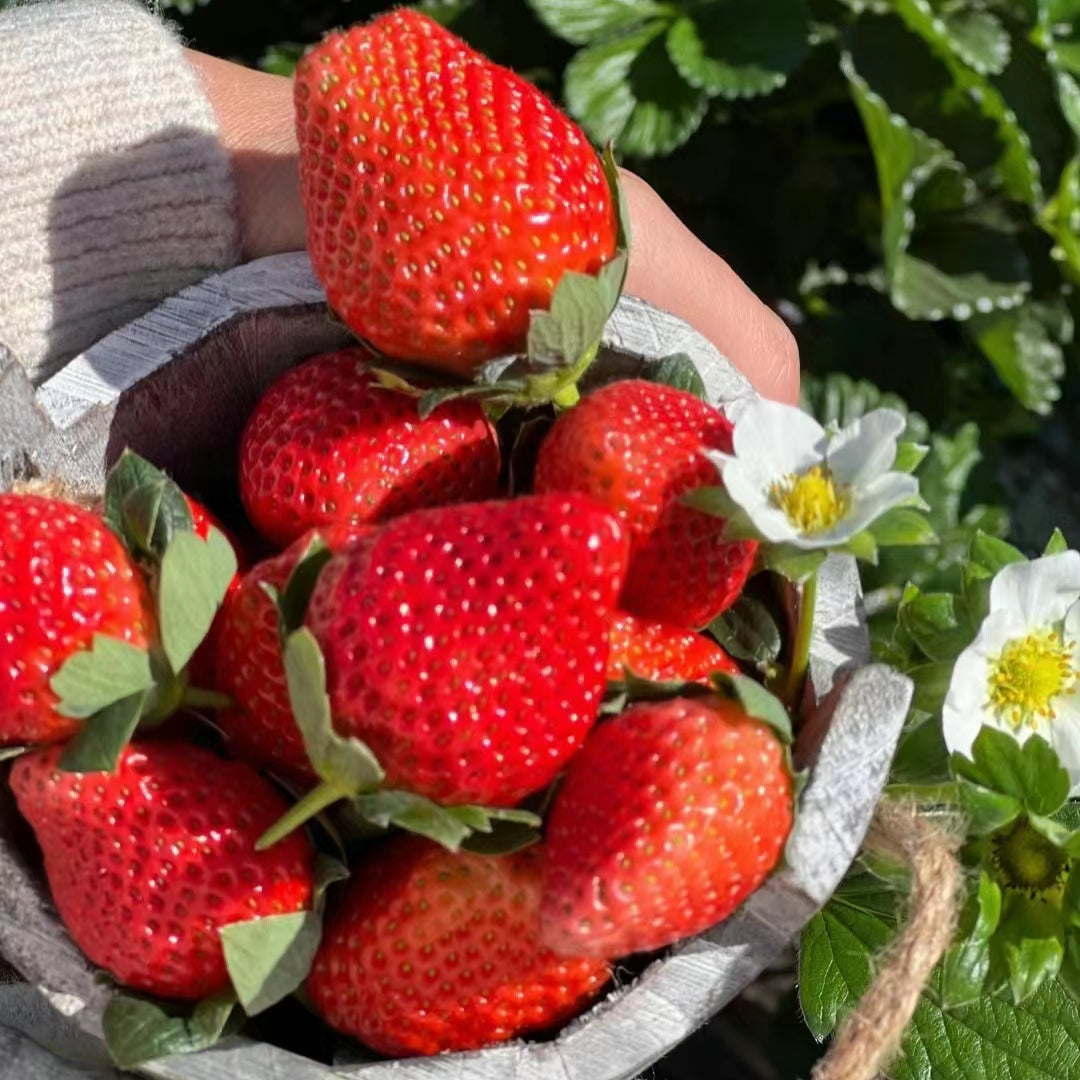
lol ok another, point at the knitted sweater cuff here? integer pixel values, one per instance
(114, 190)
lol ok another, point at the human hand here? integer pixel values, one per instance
(669, 266)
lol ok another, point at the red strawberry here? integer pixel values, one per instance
(467, 645)
(636, 447)
(64, 577)
(327, 443)
(428, 951)
(658, 651)
(146, 864)
(445, 196)
(671, 815)
(261, 729)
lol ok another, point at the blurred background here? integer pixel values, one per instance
(899, 179)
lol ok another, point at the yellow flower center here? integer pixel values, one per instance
(1028, 675)
(812, 501)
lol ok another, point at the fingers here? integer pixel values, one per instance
(672, 269)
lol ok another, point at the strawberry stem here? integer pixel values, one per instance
(566, 397)
(194, 698)
(313, 803)
(800, 652)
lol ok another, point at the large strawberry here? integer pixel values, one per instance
(147, 864)
(637, 447)
(260, 727)
(467, 645)
(445, 195)
(671, 815)
(428, 950)
(64, 578)
(326, 443)
(658, 651)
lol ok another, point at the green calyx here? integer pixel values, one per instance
(1026, 861)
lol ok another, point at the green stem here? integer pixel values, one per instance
(314, 802)
(194, 698)
(926, 794)
(800, 652)
(566, 397)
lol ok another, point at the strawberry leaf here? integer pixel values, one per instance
(909, 456)
(293, 601)
(967, 963)
(95, 678)
(449, 826)
(748, 632)
(677, 371)
(137, 1030)
(195, 575)
(505, 838)
(757, 702)
(715, 501)
(143, 506)
(795, 564)
(102, 738)
(269, 958)
(1056, 544)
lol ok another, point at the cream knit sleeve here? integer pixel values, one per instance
(114, 191)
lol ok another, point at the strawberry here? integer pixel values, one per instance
(327, 443)
(260, 729)
(467, 645)
(64, 577)
(427, 950)
(670, 816)
(445, 195)
(146, 864)
(635, 446)
(658, 651)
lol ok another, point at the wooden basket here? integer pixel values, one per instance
(176, 385)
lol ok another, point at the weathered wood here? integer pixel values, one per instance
(176, 386)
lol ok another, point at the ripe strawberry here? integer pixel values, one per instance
(428, 950)
(658, 651)
(146, 864)
(64, 577)
(467, 645)
(445, 196)
(249, 667)
(636, 447)
(326, 443)
(671, 815)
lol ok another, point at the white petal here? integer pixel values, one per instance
(867, 448)
(1063, 734)
(1071, 630)
(745, 487)
(779, 439)
(870, 502)
(1039, 592)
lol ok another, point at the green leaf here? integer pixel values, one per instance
(344, 762)
(1032, 941)
(195, 575)
(992, 554)
(790, 562)
(580, 308)
(281, 59)
(100, 741)
(979, 39)
(748, 631)
(626, 91)
(986, 810)
(269, 958)
(292, 603)
(449, 826)
(1027, 359)
(931, 685)
(735, 49)
(715, 501)
(505, 838)
(93, 679)
(583, 21)
(922, 756)
(143, 506)
(678, 371)
(137, 1031)
(1056, 544)
(909, 456)
(903, 526)
(838, 399)
(1030, 773)
(837, 951)
(938, 624)
(757, 702)
(993, 1039)
(967, 962)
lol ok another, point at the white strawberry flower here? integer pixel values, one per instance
(1021, 674)
(804, 485)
